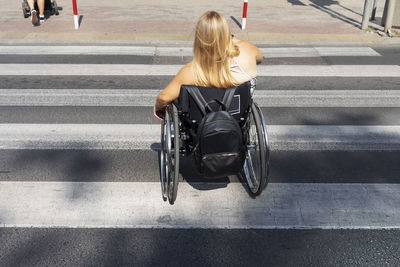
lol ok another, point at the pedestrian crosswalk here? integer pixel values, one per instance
(170, 70)
(284, 206)
(272, 52)
(41, 120)
(143, 136)
(145, 97)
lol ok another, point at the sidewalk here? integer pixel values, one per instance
(273, 21)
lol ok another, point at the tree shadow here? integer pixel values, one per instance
(77, 165)
(336, 166)
(342, 117)
(198, 247)
(34, 251)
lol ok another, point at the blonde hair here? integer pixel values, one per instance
(212, 51)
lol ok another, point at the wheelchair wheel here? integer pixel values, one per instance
(256, 166)
(266, 140)
(163, 157)
(26, 11)
(169, 159)
(55, 8)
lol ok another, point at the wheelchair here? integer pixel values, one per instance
(178, 130)
(49, 6)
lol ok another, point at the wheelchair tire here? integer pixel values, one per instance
(255, 169)
(25, 9)
(266, 140)
(55, 8)
(172, 153)
(163, 158)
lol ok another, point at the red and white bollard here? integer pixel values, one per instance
(76, 17)
(244, 14)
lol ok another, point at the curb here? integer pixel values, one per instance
(180, 43)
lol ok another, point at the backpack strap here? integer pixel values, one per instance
(194, 92)
(228, 97)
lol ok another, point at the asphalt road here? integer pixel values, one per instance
(26, 246)
(142, 166)
(195, 247)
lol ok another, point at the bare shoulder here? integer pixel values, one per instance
(249, 49)
(246, 46)
(187, 67)
(185, 74)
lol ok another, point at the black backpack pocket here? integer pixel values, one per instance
(220, 150)
(221, 164)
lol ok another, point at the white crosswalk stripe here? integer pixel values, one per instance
(108, 204)
(170, 70)
(181, 51)
(143, 136)
(135, 205)
(146, 97)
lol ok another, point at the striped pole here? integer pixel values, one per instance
(76, 18)
(244, 14)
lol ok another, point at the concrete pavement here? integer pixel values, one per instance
(275, 21)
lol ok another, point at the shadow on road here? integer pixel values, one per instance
(324, 6)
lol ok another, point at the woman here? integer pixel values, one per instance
(219, 60)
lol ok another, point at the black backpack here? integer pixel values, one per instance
(218, 145)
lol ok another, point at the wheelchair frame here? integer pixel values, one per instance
(255, 170)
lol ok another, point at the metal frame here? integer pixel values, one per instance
(169, 153)
(264, 126)
(255, 185)
(168, 150)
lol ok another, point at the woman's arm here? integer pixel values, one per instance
(257, 52)
(171, 92)
(252, 49)
(259, 56)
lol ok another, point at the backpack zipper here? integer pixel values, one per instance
(211, 122)
(219, 155)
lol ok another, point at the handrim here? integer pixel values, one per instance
(254, 168)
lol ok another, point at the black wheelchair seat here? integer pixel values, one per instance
(238, 109)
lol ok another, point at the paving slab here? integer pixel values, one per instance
(290, 21)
